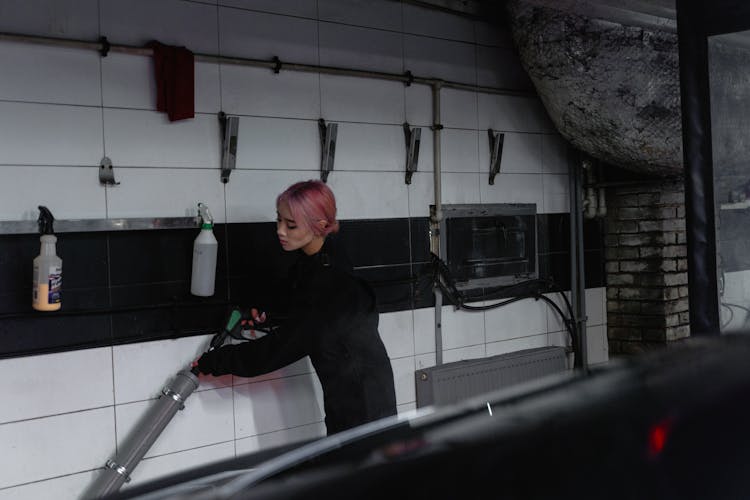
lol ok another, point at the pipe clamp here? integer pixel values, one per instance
(111, 464)
(172, 394)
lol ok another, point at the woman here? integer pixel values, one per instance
(331, 317)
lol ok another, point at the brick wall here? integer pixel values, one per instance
(646, 266)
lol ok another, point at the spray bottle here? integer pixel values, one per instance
(205, 248)
(47, 285)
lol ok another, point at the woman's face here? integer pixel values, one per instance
(292, 236)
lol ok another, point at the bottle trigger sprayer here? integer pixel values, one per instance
(47, 280)
(205, 246)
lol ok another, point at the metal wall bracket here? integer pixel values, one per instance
(327, 147)
(496, 152)
(229, 129)
(413, 138)
(107, 173)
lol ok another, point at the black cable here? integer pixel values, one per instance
(445, 282)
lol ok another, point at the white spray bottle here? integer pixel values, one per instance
(205, 249)
(47, 276)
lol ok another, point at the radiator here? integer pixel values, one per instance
(452, 382)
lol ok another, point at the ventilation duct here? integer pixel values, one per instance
(611, 89)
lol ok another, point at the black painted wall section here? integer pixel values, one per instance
(134, 286)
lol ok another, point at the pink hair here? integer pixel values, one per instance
(310, 202)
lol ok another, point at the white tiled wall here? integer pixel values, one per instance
(62, 110)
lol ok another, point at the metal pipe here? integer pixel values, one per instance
(437, 216)
(118, 469)
(274, 64)
(577, 279)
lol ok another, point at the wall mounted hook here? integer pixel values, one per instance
(496, 152)
(412, 137)
(107, 173)
(328, 134)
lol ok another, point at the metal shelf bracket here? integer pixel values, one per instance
(327, 147)
(229, 129)
(496, 152)
(412, 136)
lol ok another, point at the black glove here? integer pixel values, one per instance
(207, 363)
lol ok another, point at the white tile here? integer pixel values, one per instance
(51, 186)
(300, 367)
(598, 345)
(38, 386)
(382, 15)
(265, 186)
(205, 420)
(424, 360)
(137, 138)
(155, 192)
(129, 82)
(435, 23)
(461, 328)
(283, 437)
(173, 22)
(261, 92)
(60, 487)
(596, 304)
(49, 74)
(419, 106)
(506, 346)
(522, 318)
(361, 48)
(356, 99)
(143, 369)
(424, 331)
(369, 195)
(153, 468)
(370, 147)
(556, 194)
(397, 331)
(461, 187)
(460, 354)
(444, 59)
(500, 67)
(403, 379)
(301, 8)
(276, 144)
(406, 409)
(522, 153)
(276, 405)
(554, 154)
(459, 150)
(77, 20)
(458, 108)
(42, 448)
(46, 134)
(508, 113)
(421, 194)
(514, 188)
(258, 35)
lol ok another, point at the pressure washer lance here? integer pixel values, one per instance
(118, 469)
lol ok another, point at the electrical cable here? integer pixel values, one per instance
(443, 279)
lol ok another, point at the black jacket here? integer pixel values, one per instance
(333, 318)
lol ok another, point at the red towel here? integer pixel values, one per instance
(175, 80)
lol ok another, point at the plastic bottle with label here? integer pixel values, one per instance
(205, 249)
(47, 276)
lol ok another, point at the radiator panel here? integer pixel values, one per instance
(453, 382)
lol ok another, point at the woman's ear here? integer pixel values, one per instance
(322, 223)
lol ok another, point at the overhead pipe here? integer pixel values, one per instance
(103, 46)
